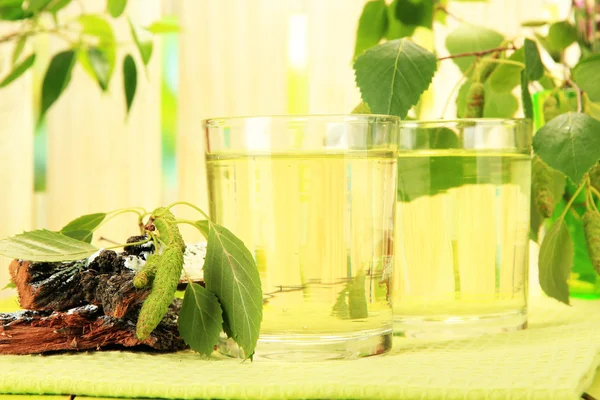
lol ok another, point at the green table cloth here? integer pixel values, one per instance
(556, 358)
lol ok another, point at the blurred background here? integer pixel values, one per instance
(232, 57)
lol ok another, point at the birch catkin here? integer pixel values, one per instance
(167, 267)
(591, 227)
(475, 100)
(542, 188)
(164, 286)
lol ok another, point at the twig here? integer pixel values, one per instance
(440, 7)
(586, 396)
(10, 37)
(102, 238)
(476, 53)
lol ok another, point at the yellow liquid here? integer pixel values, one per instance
(320, 227)
(462, 224)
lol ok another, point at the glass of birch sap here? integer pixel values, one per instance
(462, 225)
(313, 198)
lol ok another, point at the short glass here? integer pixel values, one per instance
(462, 224)
(313, 198)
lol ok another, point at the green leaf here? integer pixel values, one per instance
(554, 53)
(526, 96)
(9, 285)
(82, 228)
(439, 15)
(101, 30)
(44, 245)
(357, 299)
(116, 7)
(202, 226)
(499, 105)
(351, 302)
(587, 76)
(395, 28)
(415, 12)
(200, 319)
(534, 23)
(100, 66)
(506, 77)
(533, 62)
(393, 75)
(561, 35)
(569, 143)
(57, 78)
(163, 27)
(129, 80)
(12, 10)
(144, 46)
(469, 38)
(17, 71)
(372, 26)
(361, 108)
(555, 261)
(547, 83)
(18, 50)
(57, 5)
(37, 5)
(231, 273)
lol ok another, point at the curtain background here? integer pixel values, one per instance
(233, 57)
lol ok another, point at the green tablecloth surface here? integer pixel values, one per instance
(556, 358)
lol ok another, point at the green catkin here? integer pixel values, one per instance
(145, 276)
(591, 228)
(165, 223)
(475, 100)
(485, 68)
(168, 266)
(164, 286)
(551, 108)
(542, 188)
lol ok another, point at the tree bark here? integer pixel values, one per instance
(105, 282)
(83, 328)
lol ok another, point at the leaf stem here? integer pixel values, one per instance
(503, 61)
(571, 200)
(440, 7)
(188, 222)
(185, 203)
(460, 82)
(113, 214)
(476, 53)
(595, 191)
(578, 92)
(590, 205)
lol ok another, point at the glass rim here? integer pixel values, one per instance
(217, 122)
(474, 121)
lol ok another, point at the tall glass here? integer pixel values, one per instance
(313, 198)
(462, 223)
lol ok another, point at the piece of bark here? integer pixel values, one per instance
(105, 282)
(83, 328)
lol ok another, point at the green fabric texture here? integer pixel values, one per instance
(556, 358)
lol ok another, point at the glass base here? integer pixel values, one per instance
(314, 347)
(456, 327)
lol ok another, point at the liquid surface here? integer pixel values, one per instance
(461, 236)
(320, 227)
